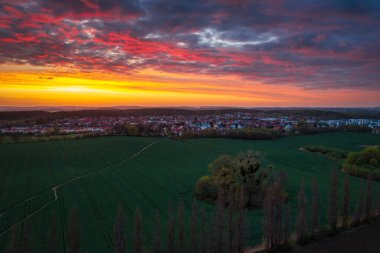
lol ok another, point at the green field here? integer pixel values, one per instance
(95, 175)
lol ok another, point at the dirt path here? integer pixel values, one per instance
(363, 239)
(55, 188)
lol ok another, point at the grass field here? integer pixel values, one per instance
(95, 175)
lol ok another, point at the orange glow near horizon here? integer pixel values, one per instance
(38, 86)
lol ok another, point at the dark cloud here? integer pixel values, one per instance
(313, 44)
(91, 8)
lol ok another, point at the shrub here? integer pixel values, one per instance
(330, 152)
(364, 163)
(206, 189)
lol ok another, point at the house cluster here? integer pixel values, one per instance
(371, 123)
(35, 130)
(177, 124)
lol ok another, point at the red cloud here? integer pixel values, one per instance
(13, 12)
(90, 4)
(148, 49)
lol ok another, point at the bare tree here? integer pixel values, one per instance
(346, 202)
(138, 237)
(231, 229)
(360, 204)
(13, 244)
(241, 231)
(52, 236)
(368, 205)
(274, 226)
(171, 231)
(204, 234)
(315, 208)
(333, 203)
(268, 221)
(273, 208)
(301, 218)
(279, 206)
(378, 204)
(157, 233)
(181, 229)
(118, 231)
(287, 226)
(241, 225)
(193, 226)
(74, 232)
(219, 222)
(26, 240)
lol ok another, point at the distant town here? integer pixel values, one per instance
(166, 122)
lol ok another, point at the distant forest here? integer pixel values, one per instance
(341, 113)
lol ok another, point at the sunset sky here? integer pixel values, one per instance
(190, 53)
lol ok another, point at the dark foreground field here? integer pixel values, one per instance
(38, 180)
(364, 239)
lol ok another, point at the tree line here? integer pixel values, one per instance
(41, 115)
(342, 213)
(224, 230)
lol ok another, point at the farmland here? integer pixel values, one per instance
(95, 175)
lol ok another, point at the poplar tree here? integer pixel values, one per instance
(52, 236)
(157, 233)
(204, 234)
(181, 229)
(268, 221)
(315, 208)
(138, 237)
(241, 223)
(26, 239)
(231, 229)
(287, 225)
(219, 222)
(193, 227)
(13, 244)
(346, 202)
(368, 201)
(359, 204)
(118, 231)
(241, 229)
(171, 231)
(333, 203)
(378, 204)
(301, 218)
(74, 232)
(273, 209)
(278, 211)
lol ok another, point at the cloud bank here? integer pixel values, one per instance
(325, 44)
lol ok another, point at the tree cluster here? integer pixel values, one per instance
(234, 176)
(364, 163)
(246, 133)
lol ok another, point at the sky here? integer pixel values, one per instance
(247, 53)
